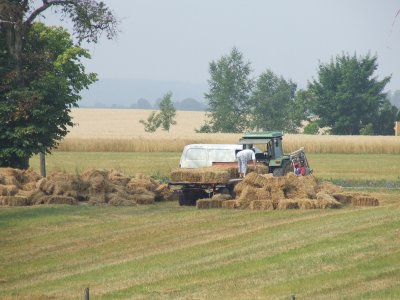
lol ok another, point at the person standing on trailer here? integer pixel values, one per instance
(243, 157)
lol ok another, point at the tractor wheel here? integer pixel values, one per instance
(283, 170)
(189, 196)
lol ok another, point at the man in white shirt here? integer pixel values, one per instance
(243, 157)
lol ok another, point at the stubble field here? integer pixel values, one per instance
(164, 251)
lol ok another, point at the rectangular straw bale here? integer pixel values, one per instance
(229, 204)
(216, 203)
(248, 194)
(8, 190)
(287, 204)
(259, 169)
(277, 193)
(239, 187)
(365, 201)
(206, 175)
(306, 203)
(343, 198)
(327, 201)
(59, 200)
(222, 197)
(251, 178)
(14, 201)
(203, 203)
(262, 205)
(145, 198)
(263, 194)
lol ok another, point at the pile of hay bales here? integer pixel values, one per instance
(265, 192)
(216, 174)
(25, 187)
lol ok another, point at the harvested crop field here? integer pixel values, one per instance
(22, 188)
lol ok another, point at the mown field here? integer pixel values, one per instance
(164, 251)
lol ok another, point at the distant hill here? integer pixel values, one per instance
(135, 93)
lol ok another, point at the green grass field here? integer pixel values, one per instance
(353, 167)
(164, 251)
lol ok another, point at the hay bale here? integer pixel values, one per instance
(307, 203)
(11, 176)
(163, 193)
(222, 197)
(287, 204)
(36, 197)
(29, 186)
(248, 194)
(97, 198)
(231, 204)
(120, 199)
(217, 203)
(365, 201)
(29, 176)
(205, 175)
(145, 198)
(14, 201)
(277, 193)
(141, 181)
(45, 185)
(54, 199)
(252, 179)
(300, 187)
(96, 180)
(203, 203)
(118, 178)
(8, 190)
(263, 194)
(328, 188)
(344, 198)
(262, 205)
(239, 187)
(325, 200)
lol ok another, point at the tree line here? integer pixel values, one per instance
(345, 97)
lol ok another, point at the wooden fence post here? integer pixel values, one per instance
(87, 293)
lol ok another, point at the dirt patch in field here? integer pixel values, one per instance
(265, 192)
(25, 187)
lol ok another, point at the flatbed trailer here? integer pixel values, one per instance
(190, 192)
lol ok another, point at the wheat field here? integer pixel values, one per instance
(119, 130)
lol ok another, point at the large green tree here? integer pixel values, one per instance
(347, 96)
(273, 104)
(229, 93)
(35, 117)
(41, 73)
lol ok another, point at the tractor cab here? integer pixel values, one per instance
(272, 151)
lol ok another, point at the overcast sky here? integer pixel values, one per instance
(177, 39)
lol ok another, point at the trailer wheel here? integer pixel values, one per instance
(189, 196)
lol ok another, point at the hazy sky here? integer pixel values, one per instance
(177, 39)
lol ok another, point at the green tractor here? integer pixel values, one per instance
(278, 163)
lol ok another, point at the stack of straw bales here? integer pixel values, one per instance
(205, 175)
(19, 188)
(216, 174)
(265, 192)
